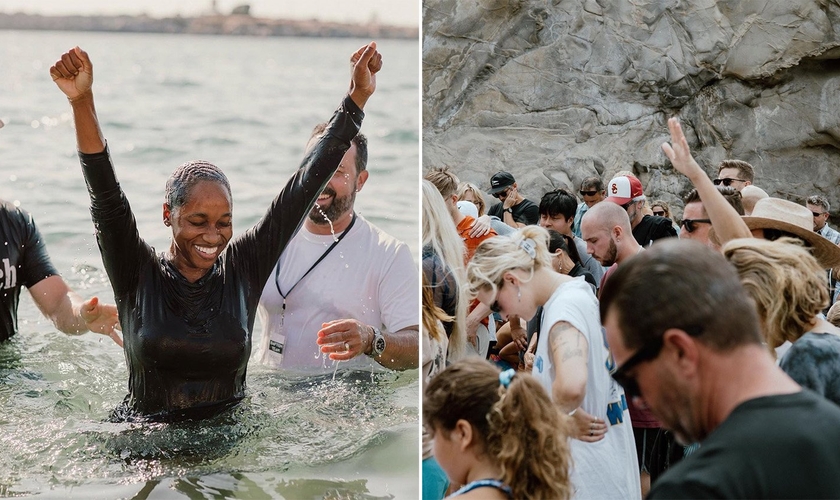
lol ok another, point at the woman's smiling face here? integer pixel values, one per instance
(201, 228)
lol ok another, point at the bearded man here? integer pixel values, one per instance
(343, 290)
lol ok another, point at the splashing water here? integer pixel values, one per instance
(324, 215)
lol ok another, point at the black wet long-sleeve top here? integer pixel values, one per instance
(187, 344)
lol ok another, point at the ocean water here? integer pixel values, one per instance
(247, 105)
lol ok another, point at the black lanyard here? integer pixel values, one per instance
(277, 271)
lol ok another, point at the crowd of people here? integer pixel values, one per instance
(692, 357)
(591, 345)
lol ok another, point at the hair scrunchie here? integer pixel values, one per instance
(506, 376)
(530, 247)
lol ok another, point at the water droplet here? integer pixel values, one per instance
(336, 369)
(332, 229)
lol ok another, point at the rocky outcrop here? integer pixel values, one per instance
(557, 90)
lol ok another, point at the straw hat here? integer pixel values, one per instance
(776, 213)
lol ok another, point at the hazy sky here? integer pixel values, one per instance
(401, 12)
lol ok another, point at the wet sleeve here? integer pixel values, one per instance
(123, 252)
(35, 264)
(256, 251)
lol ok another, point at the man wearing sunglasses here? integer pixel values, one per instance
(514, 209)
(819, 207)
(696, 223)
(591, 192)
(735, 173)
(686, 342)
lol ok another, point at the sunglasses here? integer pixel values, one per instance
(501, 193)
(648, 352)
(690, 224)
(818, 214)
(622, 374)
(660, 213)
(588, 193)
(495, 307)
(726, 181)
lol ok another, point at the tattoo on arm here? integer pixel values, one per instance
(566, 341)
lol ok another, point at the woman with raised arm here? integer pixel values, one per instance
(187, 314)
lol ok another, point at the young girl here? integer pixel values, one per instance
(498, 434)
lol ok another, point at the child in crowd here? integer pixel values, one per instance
(498, 434)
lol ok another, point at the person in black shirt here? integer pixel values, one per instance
(24, 262)
(686, 341)
(626, 190)
(187, 314)
(515, 210)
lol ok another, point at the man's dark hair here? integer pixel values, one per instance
(680, 284)
(557, 202)
(361, 146)
(592, 182)
(732, 195)
(745, 170)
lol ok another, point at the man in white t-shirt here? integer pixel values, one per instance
(343, 290)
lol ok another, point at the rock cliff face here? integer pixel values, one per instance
(556, 90)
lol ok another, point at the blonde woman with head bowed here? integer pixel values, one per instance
(443, 267)
(514, 276)
(789, 288)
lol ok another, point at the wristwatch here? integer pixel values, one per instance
(377, 346)
(509, 210)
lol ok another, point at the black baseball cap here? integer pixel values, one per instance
(500, 181)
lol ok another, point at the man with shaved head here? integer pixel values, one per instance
(609, 238)
(608, 235)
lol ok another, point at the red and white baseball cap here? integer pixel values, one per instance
(624, 189)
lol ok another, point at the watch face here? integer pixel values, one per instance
(379, 345)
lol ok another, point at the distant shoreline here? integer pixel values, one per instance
(237, 25)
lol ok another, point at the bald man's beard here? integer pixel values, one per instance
(338, 206)
(612, 254)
